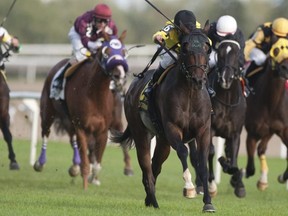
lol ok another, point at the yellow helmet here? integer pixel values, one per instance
(280, 27)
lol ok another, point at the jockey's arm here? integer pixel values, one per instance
(255, 40)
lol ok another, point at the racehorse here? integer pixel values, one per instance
(267, 111)
(229, 106)
(5, 117)
(182, 107)
(88, 105)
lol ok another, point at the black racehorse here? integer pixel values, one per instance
(267, 111)
(229, 106)
(4, 114)
(182, 107)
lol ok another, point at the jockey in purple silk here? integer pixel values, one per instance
(86, 37)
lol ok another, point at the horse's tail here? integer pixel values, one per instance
(124, 138)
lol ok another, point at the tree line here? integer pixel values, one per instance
(35, 21)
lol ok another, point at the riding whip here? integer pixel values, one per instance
(10, 9)
(153, 6)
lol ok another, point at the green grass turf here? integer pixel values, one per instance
(52, 192)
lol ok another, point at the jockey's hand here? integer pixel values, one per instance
(15, 45)
(158, 39)
(94, 45)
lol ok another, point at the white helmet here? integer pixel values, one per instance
(226, 25)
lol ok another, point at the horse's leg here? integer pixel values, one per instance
(262, 183)
(251, 143)
(142, 143)
(75, 168)
(161, 153)
(189, 190)
(99, 147)
(48, 114)
(203, 144)
(232, 154)
(284, 177)
(85, 165)
(212, 186)
(194, 161)
(128, 170)
(8, 138)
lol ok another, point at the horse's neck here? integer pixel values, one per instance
(97, 78)
(274, 89)
(231, 95)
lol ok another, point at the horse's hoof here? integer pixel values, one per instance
(281, 179)
(14, 166)
(212, 188)
(240, 192)
(262, 186)
(128, 172)
(74, 170)
(38, 167)
(208, 208)
(189, 193)
(94, 181)
(200, 190)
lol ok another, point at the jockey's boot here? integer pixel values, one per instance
(157, 73)
(58, 82)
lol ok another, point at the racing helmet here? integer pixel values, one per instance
(186, 17)
(102, 11)
(226, 25)
(280, 27)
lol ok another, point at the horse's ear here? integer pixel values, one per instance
(123, 35)
(206, 27)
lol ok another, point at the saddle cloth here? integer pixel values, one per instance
(57, 93)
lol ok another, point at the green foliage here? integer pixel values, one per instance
(35, 21)
(52, 192)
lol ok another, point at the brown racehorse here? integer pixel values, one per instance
(182, 107)
(5, 120)
(267, 111)
(229, 106)
(89, 105)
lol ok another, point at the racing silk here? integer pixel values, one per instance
(237, 36)
(87, 31)
(261, 39)
(5, 37)
(170, 35)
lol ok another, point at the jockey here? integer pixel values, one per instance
(86, 36)
(10, 43)
(169, 36)
(259, 44)
(226, 28)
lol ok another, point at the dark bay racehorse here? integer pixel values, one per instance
(183, 107)
(267, 111)
(5, 117)
(89, 105)
(229, 106)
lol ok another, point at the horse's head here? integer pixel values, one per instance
(228, 64)
(113, 57)
(193, 57)
(279, 57)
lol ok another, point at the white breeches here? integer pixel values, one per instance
(79, 51)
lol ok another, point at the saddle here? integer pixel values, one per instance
(72, 69)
